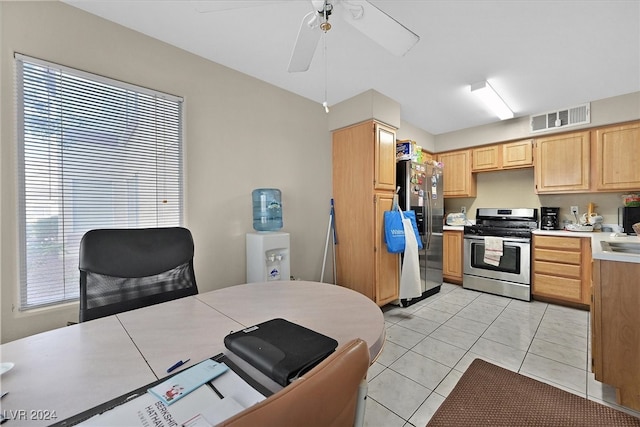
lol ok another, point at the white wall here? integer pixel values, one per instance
(422, 138)
(240, 134)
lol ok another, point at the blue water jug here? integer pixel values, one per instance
(267, 209)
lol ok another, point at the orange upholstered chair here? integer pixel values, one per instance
(326, 396)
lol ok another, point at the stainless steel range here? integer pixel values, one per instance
(497, 252)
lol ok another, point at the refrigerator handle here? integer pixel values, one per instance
(429, 220)
(430, 204)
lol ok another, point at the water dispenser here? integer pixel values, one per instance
(268, 257)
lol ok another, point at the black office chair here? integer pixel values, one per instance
(125, 269)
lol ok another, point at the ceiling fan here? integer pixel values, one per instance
(364, 16)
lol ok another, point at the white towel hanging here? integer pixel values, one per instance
(410, 274)
(493, 250)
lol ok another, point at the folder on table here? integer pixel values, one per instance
(173, 389)
(280, 349)
(140, 407)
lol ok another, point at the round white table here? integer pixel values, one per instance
(67, 370)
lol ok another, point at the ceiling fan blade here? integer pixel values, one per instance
(378, 26)
(306, 43)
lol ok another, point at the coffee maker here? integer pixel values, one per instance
(549, 218)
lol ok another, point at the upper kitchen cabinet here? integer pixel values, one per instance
(562, 163)
(517, 154)
(364, 161)
(485, 158)
(427, 157)
(458, 179)
(385, 155)
(510, 155)
(617, 157)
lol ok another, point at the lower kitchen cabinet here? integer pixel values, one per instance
(452, 256)
(562, 269)
(615, 329)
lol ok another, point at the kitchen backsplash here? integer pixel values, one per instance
(515, 189)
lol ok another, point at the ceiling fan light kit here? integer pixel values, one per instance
(492, 100)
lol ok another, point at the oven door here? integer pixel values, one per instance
(514, 266)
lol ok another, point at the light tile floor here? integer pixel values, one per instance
(431, 343)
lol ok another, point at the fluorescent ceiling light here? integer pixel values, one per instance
(488, 95)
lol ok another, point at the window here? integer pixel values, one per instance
(93, 153)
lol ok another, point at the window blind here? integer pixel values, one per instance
(93, 153)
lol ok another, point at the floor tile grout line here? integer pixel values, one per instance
(547, 313)
(533, 338)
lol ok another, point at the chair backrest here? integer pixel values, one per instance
(124, 269)
(326, 396)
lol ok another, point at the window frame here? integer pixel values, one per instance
(173, 173)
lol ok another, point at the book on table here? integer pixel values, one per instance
(280, 349)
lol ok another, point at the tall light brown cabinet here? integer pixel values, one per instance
(364, 176)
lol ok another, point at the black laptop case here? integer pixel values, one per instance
(280, 349)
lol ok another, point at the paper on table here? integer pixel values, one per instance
(202, 407)
(232, 385)
(147, 410)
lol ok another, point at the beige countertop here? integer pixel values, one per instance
(566, 233)
(599, 253)
(453, 227)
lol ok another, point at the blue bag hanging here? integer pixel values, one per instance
(412, 216)
(394, 230)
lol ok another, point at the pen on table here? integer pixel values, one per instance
(177, 365)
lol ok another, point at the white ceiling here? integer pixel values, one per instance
(540, 55)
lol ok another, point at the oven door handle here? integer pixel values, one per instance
(505, 239)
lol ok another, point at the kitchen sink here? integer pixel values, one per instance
(622, 247)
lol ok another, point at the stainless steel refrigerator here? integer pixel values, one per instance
(420, 190)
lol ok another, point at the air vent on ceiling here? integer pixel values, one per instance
(561, 118)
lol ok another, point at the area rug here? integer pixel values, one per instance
(488, 395)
